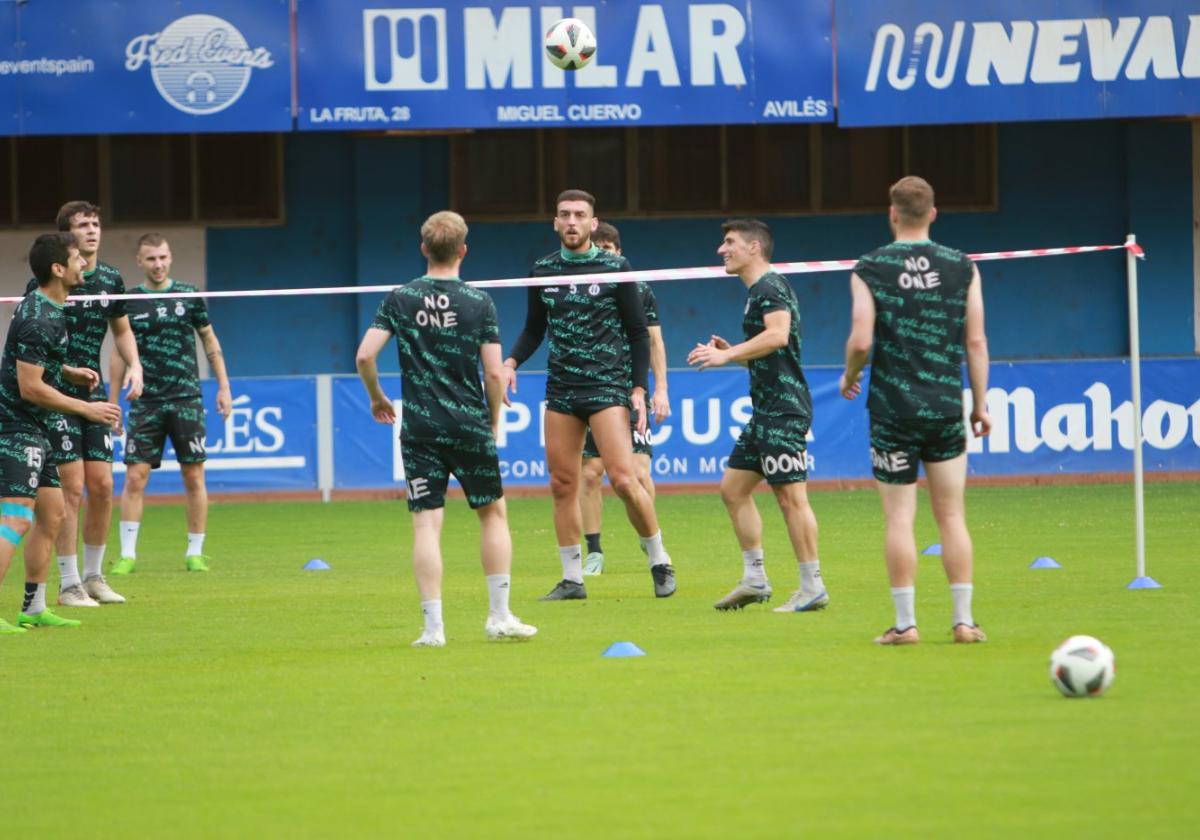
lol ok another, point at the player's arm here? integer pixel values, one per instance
(660, 404)
(977, 356)
(126, 346)
(633, 318)
(34, 388)
(495, 380)
(776, 333)
(528, 341)
(216, 361)
(368, 371)
(862, 334)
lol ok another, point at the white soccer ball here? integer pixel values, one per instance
(1082, 666)
(570, 45)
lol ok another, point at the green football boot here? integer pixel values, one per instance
(45, 619)
(196, 563)
(7, 629)
(124, 566)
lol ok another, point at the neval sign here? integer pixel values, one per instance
(949, 62)
(365, 64)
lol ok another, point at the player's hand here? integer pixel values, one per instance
(850, 388)
(133, 382)
(719, 343)
(103, 412)
(81, 376)
(118, 427)
(981, 422)
(510, 383)
(660, 405)
(637, 401)
(382, 409)
(224, 403)
(705, 356)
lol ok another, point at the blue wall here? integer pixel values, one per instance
(354, 205)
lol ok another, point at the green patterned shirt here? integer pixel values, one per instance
(439, 325)
(87, 323)
(165, 331)
(37, 335)
(920, 291)
(777, 384)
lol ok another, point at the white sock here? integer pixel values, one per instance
(432, 610)
(38, 604)
(498, 589)
(961, 593)
(68, 569)
(195, 544)
(810, 577)
(653, 547)
(93, 561)
(906, 610)
(571, 557)
(129, 534)
(753, 570)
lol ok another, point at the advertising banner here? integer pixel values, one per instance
(388, 64)
(268, 443)
(941, 61)
(143, 66)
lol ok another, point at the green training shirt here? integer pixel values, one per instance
(165, 333)
(920, 291)
(37, 335)
(777, 384)
(439, 325)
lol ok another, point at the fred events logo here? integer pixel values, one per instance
(200, 64)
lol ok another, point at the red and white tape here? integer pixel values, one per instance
(650, 276)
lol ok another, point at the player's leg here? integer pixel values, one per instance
(496, 554)
(641, 468)
(66, 545)
(426, 475)
(145, 435)
(737, 493)
(48, 512)
(947, 485)
(98, 479)
(895, 457)
(591, 506)
(16, 520)
(784, 460)
(185, 426)
(610, 427)
(564, 456)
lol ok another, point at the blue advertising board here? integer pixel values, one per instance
(268, 442)
(1050, 418)
(943, 61)
(375, 64)
(141, 66)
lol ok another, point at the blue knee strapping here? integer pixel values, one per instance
(19, 511)
(9, 535)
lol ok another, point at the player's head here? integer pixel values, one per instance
(154, 257)
(56, 255)
(444, 239)
(747, 242)
(912, 203)
(575, 218)
(81, 218)
(607, 238)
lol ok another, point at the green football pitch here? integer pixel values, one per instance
(265, 700)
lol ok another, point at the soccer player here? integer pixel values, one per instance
(918, 302)
(598, 366)
(444, 330)
(81, 447)
(591, 500)
(170, 405)
(32, 371)
(774, 443)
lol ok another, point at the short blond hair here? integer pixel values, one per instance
(912, 197)
(443, 234)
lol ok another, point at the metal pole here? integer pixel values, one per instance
(1140, 581)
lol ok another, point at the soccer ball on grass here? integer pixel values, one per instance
(1082, 666)
(570, 45)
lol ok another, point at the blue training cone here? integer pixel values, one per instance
(623, 649)
(1045, 563)
(934, 550)
(316, 565)
(1144, 582)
